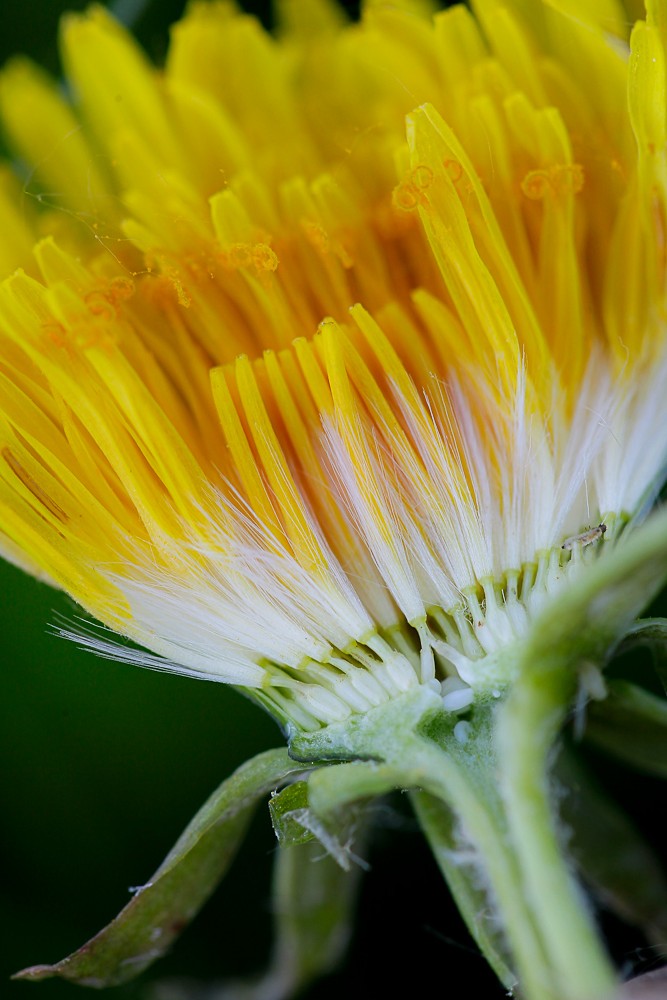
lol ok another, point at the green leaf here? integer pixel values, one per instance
(615, 859)
(145, 929)
(631, 724)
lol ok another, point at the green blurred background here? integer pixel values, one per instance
(102, 765)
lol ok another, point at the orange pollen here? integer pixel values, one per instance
(99, 304)
(55, 332)
(239, 255)
(83, 336)
(121, 289)
(406, 197)
(316, 235)
(454, 169)
(569, 179)
(536, 184)
(264, 258)
(560, 179)
(421, 176)
(181, 294)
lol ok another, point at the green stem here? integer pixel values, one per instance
(527, 727)
(452, 773)
(420, 749)
(441, 828)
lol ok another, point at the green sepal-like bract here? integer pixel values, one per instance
(157, 913)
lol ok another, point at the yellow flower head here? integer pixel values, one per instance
(331, 355)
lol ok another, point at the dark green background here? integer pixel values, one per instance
(104, 764)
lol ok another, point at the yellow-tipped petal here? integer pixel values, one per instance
(116, 86)
(67, 168)
(17, 233)
(306, 20)
(647, 89)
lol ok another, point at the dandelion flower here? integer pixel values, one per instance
(331, 361)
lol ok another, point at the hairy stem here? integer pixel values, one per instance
(527, 727)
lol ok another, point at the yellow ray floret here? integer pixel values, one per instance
(316, 346)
